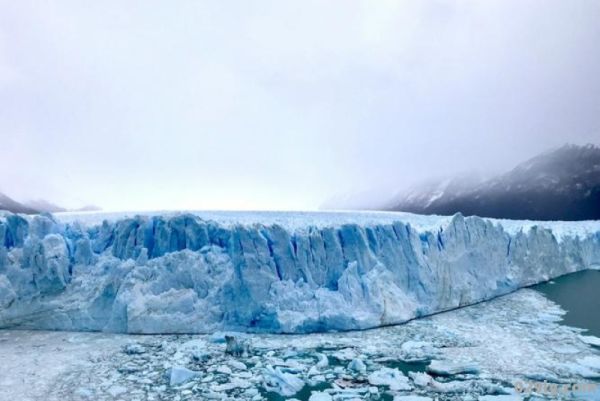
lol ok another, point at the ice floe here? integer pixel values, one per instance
(509, 340)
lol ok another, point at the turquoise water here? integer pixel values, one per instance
(407, 367)
(579, 294)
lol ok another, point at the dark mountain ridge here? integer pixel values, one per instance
(37, 206)
(562, 184)
(8, 203)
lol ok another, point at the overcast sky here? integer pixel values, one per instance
(260, 105)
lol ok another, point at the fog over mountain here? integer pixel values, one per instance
(38, 206)
(561, 184)
(7, 203)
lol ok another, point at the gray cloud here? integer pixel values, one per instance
(283, 104)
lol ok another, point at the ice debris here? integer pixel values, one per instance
(320, 396)
(411, 398)
(236, 346)
(392, 378)
(591, 340)
(447, 368)
(490, 335)
(179, 375)
(283, 383)
(357, 365)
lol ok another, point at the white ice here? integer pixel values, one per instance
(510, 339)
(278, 272)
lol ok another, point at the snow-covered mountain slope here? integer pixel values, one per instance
(198, 272)
(561, 184)
(44, 206)
(7, 203)
(37, 206)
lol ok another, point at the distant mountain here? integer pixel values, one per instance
(38, 206)
(7, 203)
(87, 208)
(42, 205)
(563, 184)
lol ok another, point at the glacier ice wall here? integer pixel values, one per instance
(295, 273)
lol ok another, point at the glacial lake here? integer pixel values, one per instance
(578, 294)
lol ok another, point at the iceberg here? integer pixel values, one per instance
(180, 375)
(445, 368)
(269, 272)
(285, 384)
(389, 377)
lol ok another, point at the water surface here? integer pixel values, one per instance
(579, 294)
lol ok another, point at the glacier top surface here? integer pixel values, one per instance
(291, 220)
(295, 220)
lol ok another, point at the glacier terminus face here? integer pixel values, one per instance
(202, 272)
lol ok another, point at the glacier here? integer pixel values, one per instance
(269, 272)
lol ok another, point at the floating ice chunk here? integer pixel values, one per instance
(129, 368)
(411, 398)
(236, 346)
(281, 382)
(323, 361)
(447, 368)
(592, 362)
(514, 397)
(357, 365)
(294, 365)
(580, 370)
(133, 349)
(84, 392)
(345, 354)
(417, 351)
(251, 392)
(181, 375)
(420, 379)
(200, 355)
(455, 386)
(542, 377)
(237, 365)
(315, 380)
(226, 370)
(233, 384)
(116, 390)
(350, 393)
(389, 377)
(320, 396)
(213, 395)
(591, 340)
(321, 364)
(566, 349)
(313, 371)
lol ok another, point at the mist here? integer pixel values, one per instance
(273, 105)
